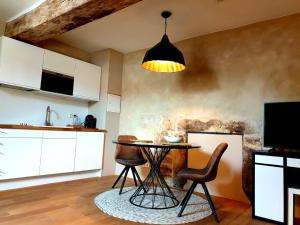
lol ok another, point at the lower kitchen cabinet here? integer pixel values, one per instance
(20, 157)
(57, 156)
(89, 151)
(29, 153)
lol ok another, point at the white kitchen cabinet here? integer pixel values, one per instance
(269, 192)
(28, 153)
(20, 64)
(60, 134)
(87, 81)
(59, 63)
(20, 157)
(58, 152)
(89, 151)
(20, 133)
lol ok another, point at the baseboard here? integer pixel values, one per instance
(42, 180)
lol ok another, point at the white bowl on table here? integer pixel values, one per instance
(172, 139)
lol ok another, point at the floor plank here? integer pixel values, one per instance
(72, 203)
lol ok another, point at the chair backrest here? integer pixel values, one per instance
(213, 163)
(128, 152)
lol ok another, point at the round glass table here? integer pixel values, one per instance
(154, 192)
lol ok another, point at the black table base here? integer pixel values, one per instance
(154, 192)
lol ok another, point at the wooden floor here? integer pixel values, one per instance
(72, 203)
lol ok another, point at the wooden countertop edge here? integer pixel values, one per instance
(80, 129)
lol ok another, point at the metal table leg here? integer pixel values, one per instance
(154, 192)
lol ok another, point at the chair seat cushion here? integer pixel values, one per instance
(131, 162)
(199, 175)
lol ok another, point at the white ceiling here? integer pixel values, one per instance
(140, 26)
(11, 9)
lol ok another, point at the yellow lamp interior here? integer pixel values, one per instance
(163, 66)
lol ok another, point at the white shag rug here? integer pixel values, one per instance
(119, 206)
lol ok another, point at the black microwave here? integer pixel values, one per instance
(57, 83)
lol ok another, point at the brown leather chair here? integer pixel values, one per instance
(128, 156)
(201, 176)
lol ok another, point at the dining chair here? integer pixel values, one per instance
(202, 176)
(130, 157)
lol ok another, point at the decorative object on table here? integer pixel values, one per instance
(201, 176)
(172, 139)
(128, 157)
(116, 205)
(164, 57)
(173, 136)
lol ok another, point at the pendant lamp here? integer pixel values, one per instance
(164, 57)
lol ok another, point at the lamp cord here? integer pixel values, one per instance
(166, 25)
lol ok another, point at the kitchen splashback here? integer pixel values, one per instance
(27, 107)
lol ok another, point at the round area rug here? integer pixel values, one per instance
(119, 206)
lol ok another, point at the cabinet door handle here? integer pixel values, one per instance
(1, 172)
(2, 132)
(1, 153)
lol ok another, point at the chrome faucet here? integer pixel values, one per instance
(47, 121)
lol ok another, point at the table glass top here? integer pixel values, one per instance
(150, 144)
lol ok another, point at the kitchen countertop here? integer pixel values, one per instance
(29, 127)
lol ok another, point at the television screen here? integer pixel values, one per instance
(282, 125)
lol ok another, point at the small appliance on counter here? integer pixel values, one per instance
(90, 121)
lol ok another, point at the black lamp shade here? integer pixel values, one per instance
(164, 57)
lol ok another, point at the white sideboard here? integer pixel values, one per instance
(269, 187)
(29, 153)
(274, 173)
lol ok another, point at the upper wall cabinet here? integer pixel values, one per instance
(87, 81)
(59, 63)
(20, 64)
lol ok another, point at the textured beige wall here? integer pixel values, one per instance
(64, 49)
(2, 28)
(115, 73)
(111, 63)
(229, 76)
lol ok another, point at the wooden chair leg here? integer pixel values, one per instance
(133, 174)
(123, 171)
(210, 203)
(124, 179)
(187, 198)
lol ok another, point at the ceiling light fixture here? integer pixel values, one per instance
(164, 57)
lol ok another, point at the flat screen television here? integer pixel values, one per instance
(282, 125)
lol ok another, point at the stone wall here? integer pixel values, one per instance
(229, 77)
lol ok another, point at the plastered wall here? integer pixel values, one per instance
(229, 77)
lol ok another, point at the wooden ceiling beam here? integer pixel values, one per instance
(55, 17)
